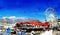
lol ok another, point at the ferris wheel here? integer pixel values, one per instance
(51, 17)
(50, 13)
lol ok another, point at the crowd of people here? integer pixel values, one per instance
(5, 32)
(47, 31)
(9, 32)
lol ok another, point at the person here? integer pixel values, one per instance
(1, 33)
(5, 32)
(43, 32)
(50, 32)
(56, 31)
(19, 32)
(14, 32)
(23, 32)
(8, 31)
(32, 33)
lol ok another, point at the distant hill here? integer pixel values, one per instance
(25, 20)
(11, 21)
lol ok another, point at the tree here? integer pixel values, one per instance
(58, 20)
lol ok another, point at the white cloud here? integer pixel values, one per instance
(21, 18)
(4, 17)
(12, 17)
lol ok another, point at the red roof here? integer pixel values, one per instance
(35, 23)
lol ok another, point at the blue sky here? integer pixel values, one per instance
(28, 8)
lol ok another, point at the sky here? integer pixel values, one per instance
(28, 8)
